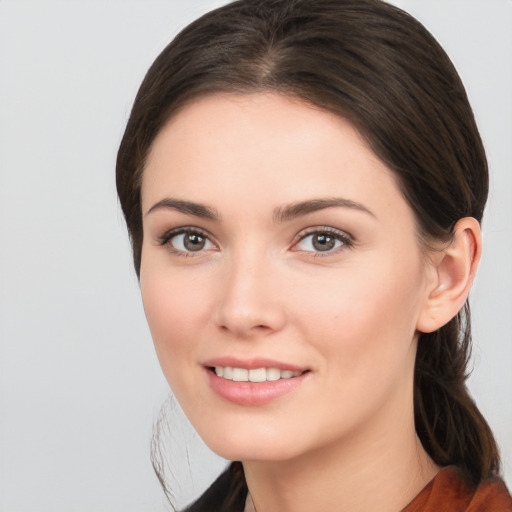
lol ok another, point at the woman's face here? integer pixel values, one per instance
(277, 246)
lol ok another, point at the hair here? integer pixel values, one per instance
(379, 68)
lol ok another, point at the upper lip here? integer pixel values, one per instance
(252, 363)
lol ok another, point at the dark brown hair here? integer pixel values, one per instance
(379, 68)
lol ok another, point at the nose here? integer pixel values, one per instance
(249, 303)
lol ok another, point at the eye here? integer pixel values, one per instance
(323, 241)
(186, 240)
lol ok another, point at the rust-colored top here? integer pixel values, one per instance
(450, 492)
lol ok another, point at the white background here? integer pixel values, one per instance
(80, 385)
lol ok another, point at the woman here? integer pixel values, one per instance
(303, 184)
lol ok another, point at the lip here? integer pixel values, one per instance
(252, 393)
(253, 363)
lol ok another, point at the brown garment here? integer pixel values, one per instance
(450, 492)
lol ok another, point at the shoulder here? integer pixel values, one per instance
(491, 495)
(450, 491)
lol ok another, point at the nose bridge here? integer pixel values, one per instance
(248, 300)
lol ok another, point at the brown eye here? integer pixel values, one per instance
(323, 242)
(187, 241)
(194, 242)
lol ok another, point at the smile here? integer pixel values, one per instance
(254, 386)
(254, 374)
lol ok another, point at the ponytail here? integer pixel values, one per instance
(448, 422)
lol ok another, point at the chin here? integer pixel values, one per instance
(252, 444)
(269, 453)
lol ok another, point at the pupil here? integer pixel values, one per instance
(323, 242)
(194, 242)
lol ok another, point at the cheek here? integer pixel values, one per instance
(363, 328)
(176, 309)
(364, 313)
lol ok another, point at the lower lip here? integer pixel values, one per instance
(253, 393)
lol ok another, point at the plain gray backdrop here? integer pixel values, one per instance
(80, 386)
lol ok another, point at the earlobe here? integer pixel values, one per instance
(454, 269)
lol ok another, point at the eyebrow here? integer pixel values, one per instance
(295, 210)
(187, 207)
(281, 214)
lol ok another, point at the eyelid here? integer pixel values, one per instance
(164, 239)
(346, 239)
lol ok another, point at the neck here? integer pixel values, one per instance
(380, 470)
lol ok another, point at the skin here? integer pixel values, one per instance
(344, 438)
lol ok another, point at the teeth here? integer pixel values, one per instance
(240, 374)
(254, 375)
(258, 375)
(273, 374)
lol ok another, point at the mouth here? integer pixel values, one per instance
(254, 375)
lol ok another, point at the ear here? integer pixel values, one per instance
(453, 270)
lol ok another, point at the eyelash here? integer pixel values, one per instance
(346, 240)
(169, 235)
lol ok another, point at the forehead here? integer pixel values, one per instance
(265, 145)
